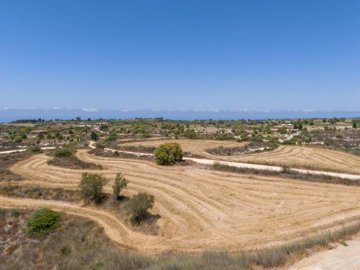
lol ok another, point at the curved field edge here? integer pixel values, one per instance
(203, 209)
(65, 242)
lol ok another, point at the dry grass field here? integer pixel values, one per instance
(199, 208)
(307, 157)
(316, 158)
(195, 147)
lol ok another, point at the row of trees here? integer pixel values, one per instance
(91, 190)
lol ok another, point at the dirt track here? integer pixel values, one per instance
(315, 158)
(340, 258)
(202, 209)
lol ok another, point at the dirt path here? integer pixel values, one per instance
(24, 149)
(199, 208)
(114, 229)
(340, 258)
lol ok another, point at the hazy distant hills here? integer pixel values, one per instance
(7, 115)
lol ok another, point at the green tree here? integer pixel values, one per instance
(139, 205)
(120, 183)
(93, 136)
(42, 221)
(168, 154)
(91, 187)
(354, 124)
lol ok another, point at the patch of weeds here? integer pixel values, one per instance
(65, 250)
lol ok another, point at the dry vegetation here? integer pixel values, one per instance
(199, 208)
(190, 147)
(73, 162)
(81, 244)
(273, 218)
(7, 161)
(35, 192)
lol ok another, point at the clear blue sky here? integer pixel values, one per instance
(180, 54)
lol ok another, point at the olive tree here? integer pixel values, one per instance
(139, 205)
(120, 183)
(168, 154)
(91, 187)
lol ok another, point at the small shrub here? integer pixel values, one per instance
(63, 152)
(65, 250)
(34, 149)
(42, 221)
(91, 187)
(120, 183)
(168, 154)
(93, 136)
(100, 146)
(139, 205)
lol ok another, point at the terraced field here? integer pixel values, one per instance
(195, 147)
(316, 158)
(307, 157)
(199, 208)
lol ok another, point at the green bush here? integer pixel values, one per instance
(224, 136)
(120, 183)
(139, 205)
(91, 187)
(190, 134)
(168, 154)
(42, 221)
(93, 136)
(63, 152)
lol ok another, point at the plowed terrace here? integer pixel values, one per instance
(200, 208)
(307, 157)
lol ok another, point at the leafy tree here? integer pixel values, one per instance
(91, 187)
(168, 154)
(42, 221)
(120, 183)
(139, 205)
(93, 136)
(354, 124)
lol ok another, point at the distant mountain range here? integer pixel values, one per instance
(7, 115)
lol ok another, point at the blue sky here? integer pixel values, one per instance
(190, 55)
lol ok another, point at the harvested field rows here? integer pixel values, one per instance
(196, 147)
(307, 157)
(201, 209)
